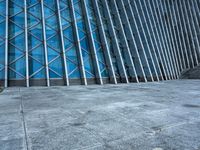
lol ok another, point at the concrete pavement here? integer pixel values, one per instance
(145, 116)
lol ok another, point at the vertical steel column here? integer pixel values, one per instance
(26, 43)
(192, 20)
(145, 38)
(169, 62)
(197, 4)
(91, 43)
(148, 31)
(45, 44)
(190, 31)
(169, 40)
(185, 28)
(122, 69)
(104, 43)
(196, 19)
(128, 56)
(197, 14)
(133, 22)
(173, 46)
(180, 35)
(179, 44)
(174, 38)
(75, 29)
(159, 46)
(129, 35)
(165, 39)
(62, 43)
(6, 47)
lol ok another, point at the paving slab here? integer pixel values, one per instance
(145, 116)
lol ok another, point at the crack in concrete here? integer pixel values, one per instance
(23, 121)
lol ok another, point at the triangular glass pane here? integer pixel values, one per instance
(52, 54)
(3, 7)
(37, 31)
(2, 29)
(2, 55)
(34, 66)
(32, 20)
(71, 54)
(32, 42)
(18, 19)
(48, 12)
(14, 30)
(14, 53)
(19, 41)
(54, 42)
(75, 74)
(57, 66)
(88, 75)
(68, 33)
(67, 43)
(53, 75)
(13, 8)
(35, 10)
(19, 66)
(39, 75)
(38, 54)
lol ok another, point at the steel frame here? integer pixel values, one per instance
(161, 47)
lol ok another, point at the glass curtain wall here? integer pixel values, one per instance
(66, 42)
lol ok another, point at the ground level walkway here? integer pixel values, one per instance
(144, 116)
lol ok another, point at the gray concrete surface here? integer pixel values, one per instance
(151, 116)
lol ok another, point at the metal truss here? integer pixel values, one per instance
(66, 42)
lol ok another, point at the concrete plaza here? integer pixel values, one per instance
(144, 116)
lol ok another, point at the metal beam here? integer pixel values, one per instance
(195, 30)
(150, 38)
(186, 31)
(104, 43)
(26, 43)
(174, 38)
(194, 12)
(130, 37)
(190, 31)
(91, 43)
(182, 36)
(77, 43)
(45, 43)
(124, 43)
(166, 32)
(164, 38)
(159, 45)
(62, 44)
(177, 34)
(171, 38)
(6, 46)
(122, 69)
(133, 21)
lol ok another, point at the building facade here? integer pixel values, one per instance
(66, 42)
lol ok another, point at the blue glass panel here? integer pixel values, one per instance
(53, 39)
(2, 39)
(17, 67)
(95, 35)
(71, 54)
(35, 41)
(86, 54)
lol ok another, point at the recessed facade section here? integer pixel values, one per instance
(67, 42)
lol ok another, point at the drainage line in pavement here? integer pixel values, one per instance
(23, 121)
